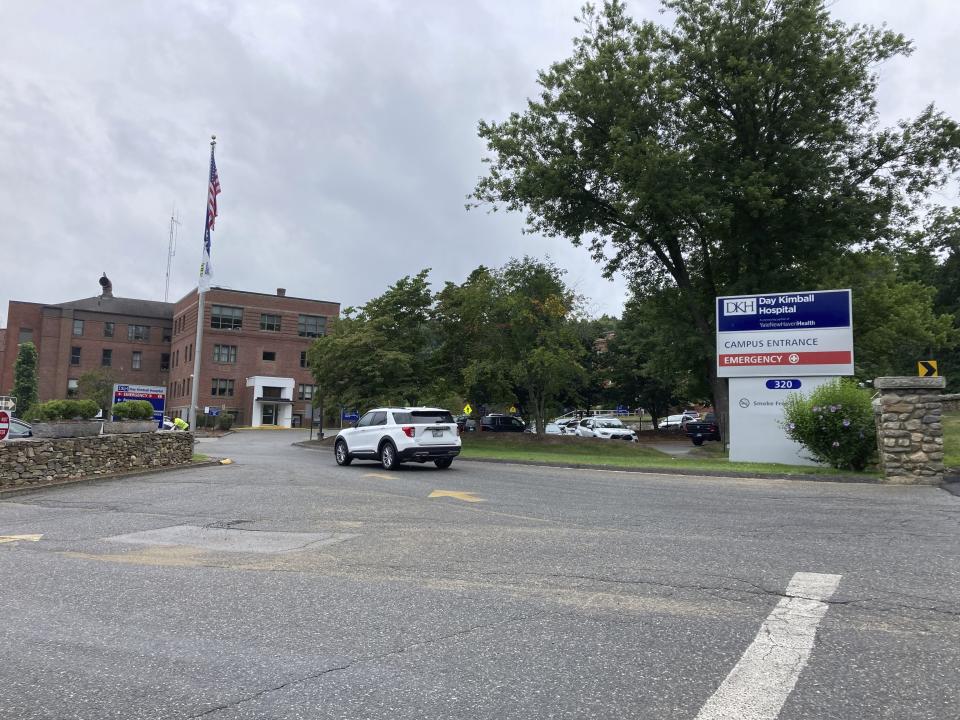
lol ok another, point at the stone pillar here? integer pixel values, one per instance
(909, 429)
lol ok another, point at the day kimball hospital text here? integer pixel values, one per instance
(781, 333)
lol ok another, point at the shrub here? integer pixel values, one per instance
(835, 424)
(225, 421)
(133, 410)
(54, 410)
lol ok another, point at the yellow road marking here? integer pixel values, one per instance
(15, 538)
(457, 495)
(379, 475)
(226, 461)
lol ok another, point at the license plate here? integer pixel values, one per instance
(438, 433)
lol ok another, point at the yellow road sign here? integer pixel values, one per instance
(456, 495)
(927, 368)
(15, 538)
(467, 409)
(513, 409)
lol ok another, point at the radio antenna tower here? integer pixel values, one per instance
(171, 249)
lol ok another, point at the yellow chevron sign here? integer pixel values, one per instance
(927, 368)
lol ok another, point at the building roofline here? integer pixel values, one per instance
(254, 292)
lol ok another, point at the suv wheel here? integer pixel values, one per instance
(443, 463)
(341, 453)
(388, 456)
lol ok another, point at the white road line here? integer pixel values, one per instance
(760, 683)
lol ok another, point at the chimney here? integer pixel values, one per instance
(106, 287)
(281, 292)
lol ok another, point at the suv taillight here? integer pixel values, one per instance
(409, 430)
(458, 431)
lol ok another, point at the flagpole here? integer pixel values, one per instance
(201, 291)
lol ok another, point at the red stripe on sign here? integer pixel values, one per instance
(827, 357)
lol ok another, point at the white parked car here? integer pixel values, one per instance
(396, 435)
(606, 428)
(676, 422)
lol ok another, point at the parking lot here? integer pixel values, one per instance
(283, 586)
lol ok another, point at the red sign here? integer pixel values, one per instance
(4, 424)
(832, 357)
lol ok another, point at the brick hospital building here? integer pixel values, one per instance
(253, 365)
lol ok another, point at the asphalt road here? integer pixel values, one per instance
(284, 587)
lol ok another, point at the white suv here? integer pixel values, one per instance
(396, 435)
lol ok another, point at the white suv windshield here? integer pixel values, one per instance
(609, 424)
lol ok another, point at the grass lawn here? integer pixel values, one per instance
(618, 455)
(951, 439)
(200, 457)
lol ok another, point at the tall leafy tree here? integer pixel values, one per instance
(735, 151)
(380, 353)
(507, 336)
(26, 383)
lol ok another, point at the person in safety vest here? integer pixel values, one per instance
(180, 424)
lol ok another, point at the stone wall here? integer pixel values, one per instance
(951, 403)
(41, 461)
(909, 429)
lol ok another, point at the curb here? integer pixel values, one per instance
(684, 471)
(15, 491)
(660, 471)
(305, 444)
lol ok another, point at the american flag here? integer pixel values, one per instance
(206, 269)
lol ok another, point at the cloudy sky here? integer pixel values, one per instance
(346, 137)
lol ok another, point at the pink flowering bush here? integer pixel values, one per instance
(835, 424)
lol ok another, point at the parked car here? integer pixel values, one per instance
(396, 435)
(568, 426)
(19, 429)
(606, 428)
(706, 429)
(675, 423)
(466, 424)
(502, 423)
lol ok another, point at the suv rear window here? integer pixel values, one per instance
(422, 417)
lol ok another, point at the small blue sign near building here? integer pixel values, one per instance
(350, 416)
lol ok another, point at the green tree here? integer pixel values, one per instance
(380, 353)
(25, 381)
(895, 320)
(507, 337)
(97, 385)
(736, 151)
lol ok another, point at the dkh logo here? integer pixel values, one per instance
(746, 306)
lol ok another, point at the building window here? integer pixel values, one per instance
(226, 318)
(108, 329)
(138, 332)
(137, 360)
(25, 335)
(311, 325)
(306, 392)
(269, 355)
(78, 327)
(164, 362)
(303, 358)
(270, 322)
(221, 387)
(224, 353)
(167, 335)
(74, 356)
(73, 386)
(106, 358)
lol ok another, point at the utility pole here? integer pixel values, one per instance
(171, 250)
